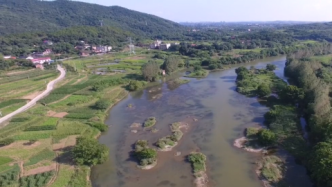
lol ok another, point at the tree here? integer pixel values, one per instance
(321, 162)
(102, 104)
(263, 90)
(171, 64)
(89, 152)
(150, 70)
(267, 137)
(271, 67)
(291, 94)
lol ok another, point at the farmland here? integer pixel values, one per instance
(42, 142)
(44, 135)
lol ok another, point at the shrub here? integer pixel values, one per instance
(144, 154)
(252, 131)
(266, 137)
(271, 67)
(263, 90)
(100, 126)
(135, 85)
(151, 121)
(6, 141)
(102, 104)
(89, 152)
(197, 161)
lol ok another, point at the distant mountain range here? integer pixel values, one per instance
(19, 16)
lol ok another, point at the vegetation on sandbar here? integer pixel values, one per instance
(151, 121)
(171, 140)
(146, 156)
(197, 161)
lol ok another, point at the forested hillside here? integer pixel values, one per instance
(19, 16)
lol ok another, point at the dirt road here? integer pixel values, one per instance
(30, 104)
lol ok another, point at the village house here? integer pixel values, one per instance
(41, 60)
(164, 46)
(155, 44)
(9, 57)
(103, 49)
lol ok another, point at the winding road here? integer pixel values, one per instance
(31, 103)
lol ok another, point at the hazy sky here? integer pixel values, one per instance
(229, 10)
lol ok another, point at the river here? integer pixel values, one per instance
(222, 114)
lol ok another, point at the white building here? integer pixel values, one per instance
(155, 44)
(164, 46)
(103, 49)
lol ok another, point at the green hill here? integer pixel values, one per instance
(19, 16)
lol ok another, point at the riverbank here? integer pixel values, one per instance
(282, 120)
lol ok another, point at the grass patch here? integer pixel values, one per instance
(45, 154)
(64, 176)
(5, 160)
(33, 135)
(151, 121)
(271, 169)
(79, 178)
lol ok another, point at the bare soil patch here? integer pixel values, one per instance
(32, 95)
(40, 170)
(202, 180)
(56, 115)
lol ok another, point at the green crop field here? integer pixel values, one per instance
(33, 135)
(45, 154)
(72, 101)
(5, 160)
(38, 180)
(10, 177)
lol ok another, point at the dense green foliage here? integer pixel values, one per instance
(144, 154)
(102, 104)
(257, 82)
(271, 67)
(171, 64)
(136, 85)
(197, 161)
(150, 71)
(263, 90)
(89, 152)
(305, 69)
(54, 15)
(266, 137)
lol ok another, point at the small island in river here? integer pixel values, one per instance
(146, 157)
(197, 161)
(169, 142)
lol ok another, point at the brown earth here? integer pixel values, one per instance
(40, 170)
(56, 115)
(32, 95)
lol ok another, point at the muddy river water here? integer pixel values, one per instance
(216, 115)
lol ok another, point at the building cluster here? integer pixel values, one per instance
(37, 58)
(161, 45)
(87, 49)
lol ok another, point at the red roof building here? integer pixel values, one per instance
(41, 60)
